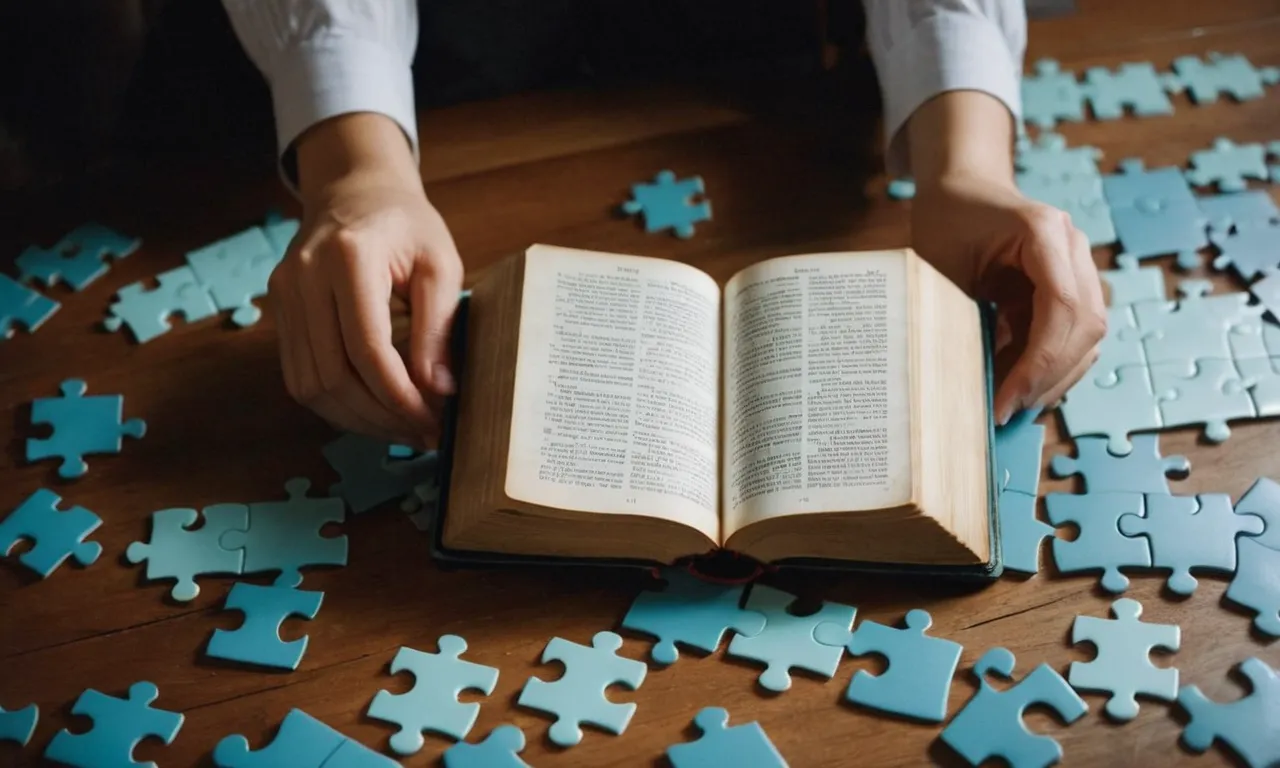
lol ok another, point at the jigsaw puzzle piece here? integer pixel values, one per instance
(991, 725)
(235, 271)
(78, 259)
(265, 609)
(353, 754)
(1130, 286)
(1019, 444)
(432, 704)
(1187, 532)
(1134, 85)
(691, 612)
(668, 204)
(1228, 165)
(579, 695)
(279, 232)
(1200, 326)
(368, 478)
(81, 426)
(1231, 74)
(301, 742)
(1051, 94)
(1263, 500)
(177, 551)
(720, 744)
(118, 726)
(1144, 470)
(500, 749)
(1100, 545)
(1136, 185)
(1121, 347)
(787, 640)
(918, 679)
(903, 188)
(1080, 196)
(1122, 666)
(1262, 377)
(1250, 251)
(1256, 584)
(1267, 292)
(1246, 725)
(1021, 532)
(19, 725)
(57, 534)
(1238, 209)
(286, 536)
(19, 305)
(146, 312)
(1049, 158)
(1208, 392)
(1129, 405)
(1158, 229)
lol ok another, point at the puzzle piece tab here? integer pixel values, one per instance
(1136, 86)
(19, 305)
(432, 704)
(1051, 94)
(579, 695)
(368, 477)
(722, 744)
(235, 271)
(118, 726)
(1256, 584)
(1231, 74)
(1100, 545)
(692, 612)
(668, 204)
(1249, 251)
(1123, 666)
(1189, 532)
(1144, 470)
(265, 609)
(286, 536)
(1228, 164)
(78, 259)
(57, 534)
(81, 426)
(1049, 158)
(19, 725)
(1263, 500)
(499, 750)
(1246, 725)
(146, 312)
(787, 640)
(175, 551)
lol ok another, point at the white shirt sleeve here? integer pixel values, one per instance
(324, 58)
(925, 47)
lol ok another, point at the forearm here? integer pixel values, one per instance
(961, 134)
(360, 148)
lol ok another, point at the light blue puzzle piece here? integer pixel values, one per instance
(146, 312)
(1019, 444)
(668, 204)
(265, 609)
(1256, 584)
(1121, 347)
(1250, 208)
(1231, 74)
(991, 725)
(1134, 85)
(353, 754)
(19, 305)
(1267, 292)
(1208, 392)
(1080, 196)
(279, 232)
(285, 535)
(1130, 286)
(1246, 725)
(1128, 405)
(579, 695)
(78, 259)
(1262, 376)
(1123, 666)
(1051, 94)
(691, 612)
(401, 452)
(1049, 158)
(177, 552)
(57, 534)
(1100, 545)
(1021, 532)
(118, 726)
(301, 742)
(1200, 326)
(19, 725)
(1187, 532)
(1228, 165)
(432, 704)
(1143, 470)
(1158, 229)
(81, 426)
(1135, 185)
(1249, 251)
(903, 188)
(1263, 499)
(787, 641)
(500, 749)
(235, 271)
(368, 478)
(918, 679)
(722, 745)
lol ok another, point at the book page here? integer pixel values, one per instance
(616, 395)
(816, 403)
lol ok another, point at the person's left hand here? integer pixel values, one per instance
(1029, 260)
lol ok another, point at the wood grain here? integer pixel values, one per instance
(790, 168)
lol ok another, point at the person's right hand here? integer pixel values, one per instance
(368, 232)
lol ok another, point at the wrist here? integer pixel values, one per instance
(358, 149)
(961, 135)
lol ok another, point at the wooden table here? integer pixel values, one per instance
(790, 169)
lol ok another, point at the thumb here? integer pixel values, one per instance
(433, 297)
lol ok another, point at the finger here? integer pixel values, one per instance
(302, 379)
(433, 289)
(1077, 375)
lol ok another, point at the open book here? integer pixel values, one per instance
(828, 406)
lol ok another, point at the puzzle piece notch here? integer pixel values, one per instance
(19, 725)
(257, 640)
(1187, 532)
(19, 305)
(579, 695)
(1122, 666)
(668, 204)
(146, 312)
(1204, 391)
(1136, 86)
(235, 271)
(1051, 94)
(500, 749)
(119, 724)
(1263, 500)
(1115, 410)
(692, 612)
(1249, 251)
(918, 678)
(57, 534)
(1143, 470)
(1246, 725)
(432, 704)
(1256, 584)
(1232, 74)
(78, 259)
(722, 744)
(81, 426)
(178, 552)
(368, 478)
(787, 640)
(1100, 545)
(990, 724)
(286, 536)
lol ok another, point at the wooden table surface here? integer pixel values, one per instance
(790, 168)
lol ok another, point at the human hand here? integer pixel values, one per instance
(368, 232)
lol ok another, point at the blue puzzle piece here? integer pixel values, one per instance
(1187, 532)
(1136, 185)
(1160, 229)
(265, 609)
(285, 535)
(81, 426)
(1246, 725)
(78, 259)
(1122, 666)
(279, 232)
(175, 551)
(368, 478)
(918, 679)
(1231, 74)
(19, 305)
(1019, 444)
(1130, 286)
(1249, 251)
(353, 754)
(991, 725)
(1112, 409)
(722, 745)
(1021, 532)
(235, 271)
(1228, 164)
(302, 742)
(401, 452)
(1262, 376)
(1256, 584)
(787, 640)
(57, 534)
(1136, 86)
(19, 725)
(432, 704)
(500, 749)
(146, 312)
(1051, 94)
(1250, 208)
(1049, 158)
(902, 188)
(1208, 392)
(579, 695)
(1080, 196)
(668, 204)
(1121, 347)
(118, 726)
(1144, 470)
(1100, 545)
(1263, 500)
(692, 612)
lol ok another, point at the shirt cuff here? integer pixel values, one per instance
(945, 52)
(325, 78)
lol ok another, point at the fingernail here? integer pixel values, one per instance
(442, 379)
